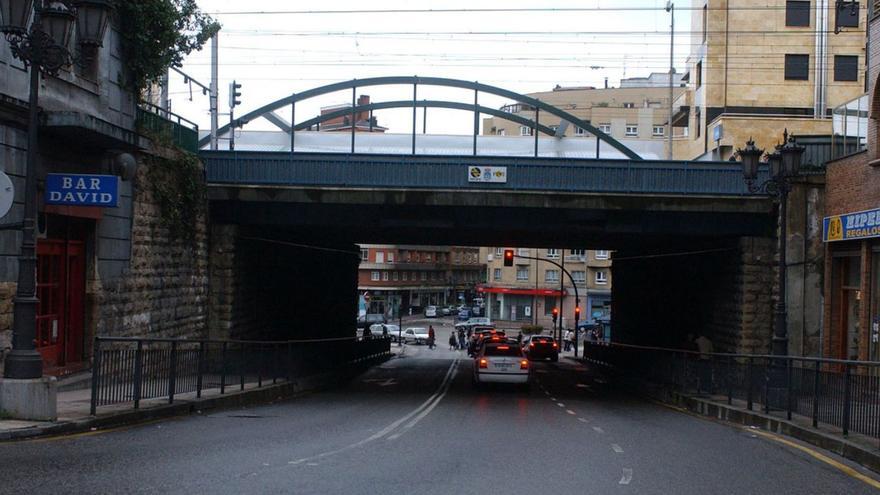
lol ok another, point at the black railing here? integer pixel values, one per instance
(135, 369)
(830, 392)
(164, 124)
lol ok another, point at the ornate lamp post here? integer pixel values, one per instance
(784, 164)
(43, 47)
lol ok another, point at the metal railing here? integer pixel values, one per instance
(830, 392)
(850, 127)
(135, 369)
(168, 125)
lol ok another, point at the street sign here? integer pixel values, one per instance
(497, 175)
(82, 190)
(858, 225)
(7, 194)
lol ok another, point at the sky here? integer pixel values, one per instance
(278, 47)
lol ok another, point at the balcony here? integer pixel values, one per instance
(164, 126)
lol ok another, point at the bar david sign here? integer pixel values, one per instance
(82, 190)
(858, 225)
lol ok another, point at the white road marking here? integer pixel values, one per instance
(560, 404)
(627, 476)
(616, 448)
(598, 430)
(569, 411)
(583, 420)
(428, 409)
(553, 399)
(582, 385)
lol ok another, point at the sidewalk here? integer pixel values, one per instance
(74, 406)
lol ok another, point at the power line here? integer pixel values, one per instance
(758, 8)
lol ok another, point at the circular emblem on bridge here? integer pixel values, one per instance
(476, 172)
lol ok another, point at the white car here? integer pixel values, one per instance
(431, 312)
(376, 330)
(415, 335)
(501, 362)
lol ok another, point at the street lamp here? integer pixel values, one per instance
(42, 46)
(784, 165)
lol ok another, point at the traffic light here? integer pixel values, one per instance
(234, 94)
(508, 257)
(577, 314)
(555, 315)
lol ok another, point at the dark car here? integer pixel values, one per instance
(371, 319)
(541, 347)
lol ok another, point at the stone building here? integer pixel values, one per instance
(758, 66)
(118, 271)
(528, 291)
(852, 234)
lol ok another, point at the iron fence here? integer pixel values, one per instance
(135, 369)
(830, 392)
(163, 123)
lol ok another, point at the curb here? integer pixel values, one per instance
(267, 394)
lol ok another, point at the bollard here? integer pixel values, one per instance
(138, 373)
(201, 366)
(96, 374)
(172, 373)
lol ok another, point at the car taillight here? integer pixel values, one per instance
(524, 364)
(532, 344)
(554, 345)
(484, 363)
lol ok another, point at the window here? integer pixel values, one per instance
(797, 67)
(846, 68)
(385, 276)
(659, 130)
(698, 116)
(705, 21)
(797, 14)
(501, 132)
(365, 254)
(374, 276)
(428, 257)
(606, 128)
(601, 255)
(395, 276)
(632, 130)
(579, 276)
(522, 273)
(848, 14)
(553, 253)
(424, 276)
(601, 277)
(629, 105)
(380, 257)
(391, 257)
(551, 276)
(522, 252)
(525, 130)
(499, 251)
(698, 73)
(404, 276)
(496, 275)
(579, 253)
(579, 132)
(407, 256)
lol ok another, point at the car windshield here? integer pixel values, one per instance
(503, 350)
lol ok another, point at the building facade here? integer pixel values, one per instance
(852, 234)
(752, 72)
(631, 112)
(528, 291)
(395, 279)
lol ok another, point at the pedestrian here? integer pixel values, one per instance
(569, 337)
(462, 340)
(368, 334)
(384, 331)
(431, 337)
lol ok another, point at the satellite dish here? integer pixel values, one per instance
(7, 194)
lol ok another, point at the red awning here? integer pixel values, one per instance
(522, 292)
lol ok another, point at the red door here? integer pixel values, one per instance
(60, 289)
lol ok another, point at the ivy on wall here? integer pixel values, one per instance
(178, 188)
(158, 34)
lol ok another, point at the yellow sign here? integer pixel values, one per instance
(835, 229)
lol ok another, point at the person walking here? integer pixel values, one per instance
(431, 337)
(569, 336)
(462, 340)
(453, 342)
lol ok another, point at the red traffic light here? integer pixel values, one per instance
(577, 310)
(555, 311)
(508, 257)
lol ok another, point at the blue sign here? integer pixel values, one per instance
(859, 225)
(82, 190)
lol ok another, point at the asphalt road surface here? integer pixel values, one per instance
(415, 425)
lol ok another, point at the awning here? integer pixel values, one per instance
(522, 292)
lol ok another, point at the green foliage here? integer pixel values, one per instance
(158, 34)
(532, 329)
(179, 190)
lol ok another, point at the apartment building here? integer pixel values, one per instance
(528, 291)
(757, 67)
(394, 278)
(639, 109)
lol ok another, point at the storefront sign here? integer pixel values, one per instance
(7, 194)
(859, 225)
(496, 175)
(82, 190)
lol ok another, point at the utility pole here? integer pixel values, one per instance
(215, 88)
(670, 7)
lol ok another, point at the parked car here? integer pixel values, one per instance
(464, 315)
(370, 319)
(537, 347)
(415, 335)
(376, 330)
(431, 312)
(470, 323)
(501, 362)
(445, 311)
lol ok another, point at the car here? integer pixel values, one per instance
(445, 311)
(464, 315)
(415, 335)
(471, 323)
(370, 319)
(431, 312)
(501, 362)
(541, 347)
(376, 330)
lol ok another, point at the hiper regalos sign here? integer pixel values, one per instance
(496, 175)
(858, 225)
(82, 190)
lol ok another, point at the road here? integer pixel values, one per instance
(415, 425)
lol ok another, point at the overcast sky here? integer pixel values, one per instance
(286, 50)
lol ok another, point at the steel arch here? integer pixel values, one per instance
(429, 81)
